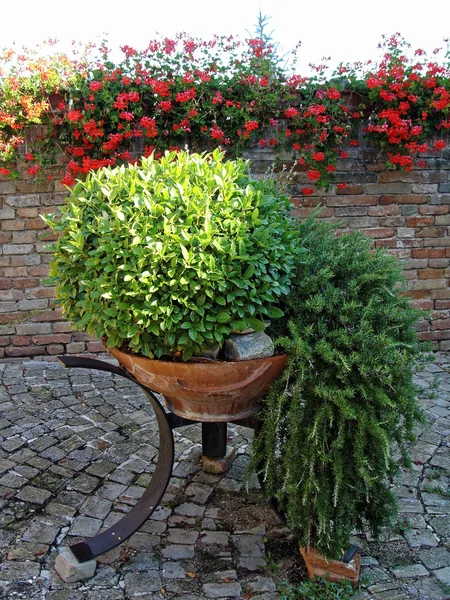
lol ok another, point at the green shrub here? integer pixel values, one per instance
(172, 254)
(331, 423)
(318, 589)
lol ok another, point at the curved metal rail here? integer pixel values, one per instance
(132, 521)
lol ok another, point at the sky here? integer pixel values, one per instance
(346, 30)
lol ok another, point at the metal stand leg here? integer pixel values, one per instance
(130, 523)
(214, 439)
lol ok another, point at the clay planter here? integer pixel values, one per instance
(208, 391)
(332, 570)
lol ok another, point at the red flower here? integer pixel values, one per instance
(34, 170)
(331, 168)
(313, 175)
(262, 143)
(341, 186)
(297, 147)
(354, 143)
(319, 156)
(29, 156)
(127, 116)
(94, 86)
(186, 96)
(4, 171)
(74, 116)
(217, 133)
(439, 145)
(307, 191)
(291, 112)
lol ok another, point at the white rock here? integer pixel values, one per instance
(70, 570)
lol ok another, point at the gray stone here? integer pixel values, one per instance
(140, 584)
(211, 352)
(199, 493)
(252, 563)
(190, 509)
(249, 545)
(222, 590)
(28, 551)
(70, 570)
(173, 570)
(34, 495)
(43, 530)
(85, 527)
(248, 346)
(262, 584)
(143, 541)
(407, 571)
(96, 507)
(443, 575)
(178, 552)
(182, 536)
(221, 538)
(420, 538)
(441, 525)
(435, 558)
(19, 571)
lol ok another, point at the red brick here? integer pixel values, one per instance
(433, 210)
(380, 232)
(60, 338)
(428, 253)
(50, 315)
(55, 349)
(416, 221)
(434, 335)
(424, 304)
(20, 340)
(352, 201)
(27, 283)
(440, 324)
(27, 213)
(440, 294)
(40, 271)
(5, 284)
(44, 292)
(387, 200)
(442, 304)
(13, 225)
(412, 199)
(388, 210)
(417, 294)
(4, 340)
(25, 351)
(430, 232)
(95, 347)
(63, 327)
(391, 176)
(35, 224)
(5, 237)
(423, 325)
(385, 244)
(10, 317)
(350, 190)
(431, 273)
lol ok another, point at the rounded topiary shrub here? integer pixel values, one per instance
(173, 254)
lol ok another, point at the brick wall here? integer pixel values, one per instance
(407, 213)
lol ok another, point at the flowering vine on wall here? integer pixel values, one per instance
(220, 92)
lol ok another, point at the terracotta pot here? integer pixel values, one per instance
(332, 570)
(206, 391)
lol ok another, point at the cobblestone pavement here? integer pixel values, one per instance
(77, 449)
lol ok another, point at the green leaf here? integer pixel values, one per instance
(273, 312)
(256, 324)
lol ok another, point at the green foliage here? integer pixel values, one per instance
(318, 589)
(173, 254)
(330, 423)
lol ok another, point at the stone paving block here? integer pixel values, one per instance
(443, 575)
(407, 571)
(222, 590)
(34, 495)
(420, 538)
(178, 551)
(138, 584)
(85, 527)
(96, 507)
(435, 558)
(70, 570)
(182, 536)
